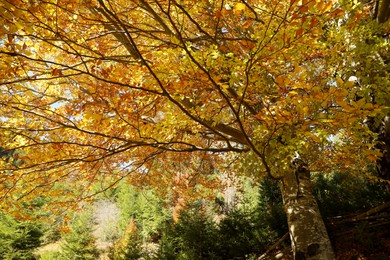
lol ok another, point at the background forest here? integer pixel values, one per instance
(242, 222)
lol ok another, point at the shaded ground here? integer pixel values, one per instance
(363, 242)
(363, 236)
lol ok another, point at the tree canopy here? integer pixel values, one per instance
(165, 92)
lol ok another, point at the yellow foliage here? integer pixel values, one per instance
(168, 94)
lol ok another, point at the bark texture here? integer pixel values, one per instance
(382, 10)
(309, 237)
(384, 146)
(382, 15)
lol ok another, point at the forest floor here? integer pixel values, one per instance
(52, 247)
(366, 245)
(363, 236)
(349, 247)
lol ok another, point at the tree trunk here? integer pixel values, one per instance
(382, 15)
(383, 131)
(309, 238)
(382, 10)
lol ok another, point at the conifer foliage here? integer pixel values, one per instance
(80, 244)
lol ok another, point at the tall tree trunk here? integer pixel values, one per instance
(382, 15)
(382, 10)
(309, 237)
(383, 131)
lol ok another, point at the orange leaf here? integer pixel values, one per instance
(337, 12)
(304, 9)
(313, 22)
(247, 24)
(299, 32)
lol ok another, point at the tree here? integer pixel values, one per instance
(18, 240)
(382, 15)
(80, 242)
(166, 92)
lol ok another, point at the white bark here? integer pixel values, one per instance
(309, 237)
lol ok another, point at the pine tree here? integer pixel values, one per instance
(80, 243)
